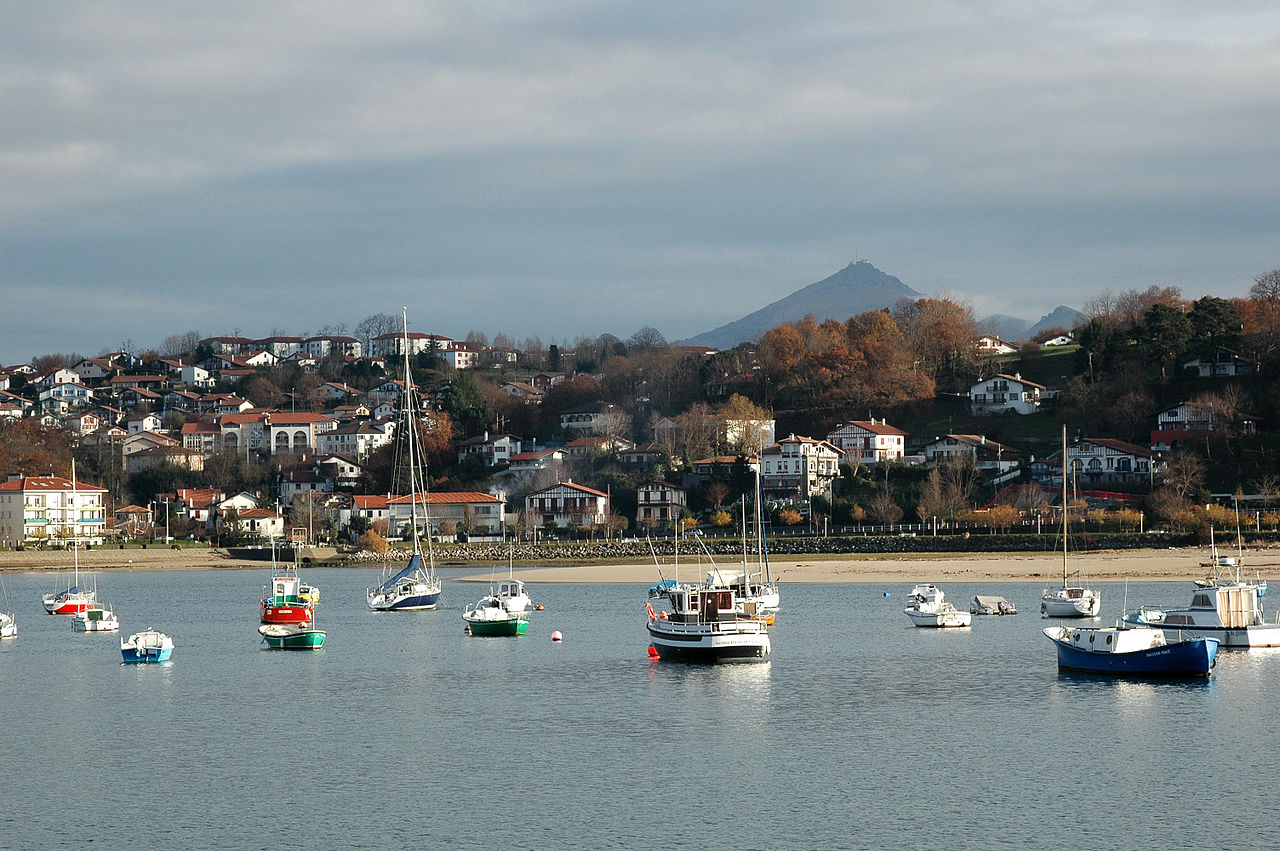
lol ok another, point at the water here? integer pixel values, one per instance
(861, 732)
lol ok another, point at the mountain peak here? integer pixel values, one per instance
(855, 289)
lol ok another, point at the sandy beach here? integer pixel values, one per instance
(1103, 566)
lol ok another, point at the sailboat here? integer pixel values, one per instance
(1069, 601)
(8, 626)
(415, 587)
(74, 599)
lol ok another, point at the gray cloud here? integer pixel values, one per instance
(566, 168)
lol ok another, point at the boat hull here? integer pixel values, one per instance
(161, 655)
(95, 620)
(278, 611)
(1076, 607)
(940, 620)
(147, 647)
(410, 602)
(62, 604)
(708, 646)
(1230, 637)
(512, 626)
(1187, 659)
(282, 637)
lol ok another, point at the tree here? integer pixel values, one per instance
(883, 509)
(464, 402)
(647, 337)
(1215, 322)
(374, 326)
(373, 542)
(1165, 332)
(1184, 473)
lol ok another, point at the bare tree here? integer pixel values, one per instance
(372, 327)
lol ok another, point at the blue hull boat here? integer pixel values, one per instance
(1131, 652)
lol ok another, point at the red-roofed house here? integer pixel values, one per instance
(450, 512)
(297, 432)
(868, 441)
(567, 505)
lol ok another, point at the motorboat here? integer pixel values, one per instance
(96, 618)
(292, 636)
(984, 604)
(8, 626)
(1132, 651)
(285, 601)
(929, 607)
(1231, 613)
(147, 646)
(416, 587)
(492, 617)
(706, 625)
(1071, 600)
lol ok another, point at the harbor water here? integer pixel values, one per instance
(860, 732)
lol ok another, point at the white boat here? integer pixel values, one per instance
(929, 607)
(1069, 601)
(416, 586)
(8, 626)
(96, 618)
(491, 617)
(1231, 613)
(147, 646)
(985, 604)
(1226, 570)
(704, 625)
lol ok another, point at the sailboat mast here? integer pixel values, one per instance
(409, 432)
(1064, 505)
(75, 527)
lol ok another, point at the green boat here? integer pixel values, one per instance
(287, 636)
(490, 617)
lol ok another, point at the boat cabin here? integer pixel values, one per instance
(1233, 606)
(1114, 639)
(702, 605)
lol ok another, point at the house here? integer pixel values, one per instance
(55, 377)
(567, 505)
(1003, 393)
(297, 432)
(121, 383)
(799, 468)
(280, 347)
(239, 432)
(989, 344)
(51, 510)
(868, 442)
(133, 398)
(92, 370)
(159, 456)
(182, 400)
(589, 447)
(393, 344)
(144, 422)
(357, 440)
(659, 505)
(195, 376)
(490, 449)
(13, 406)
(387, 391)
(459, 356)
(642, 456)
(526, 393)
(531, 461)
(263, 523)
(544, 381)
(201, 435)
(345, 413)
(986, 455)
(1096, 461)
(64, 396)
(145, 440)
(227, 345)
(332, 346)
(335, 391)
(1187, 421)
(450, 513)
(82, 424)
(594, 418)
(134, 521)
(1221, 362)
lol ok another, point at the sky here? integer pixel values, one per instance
(559, 168)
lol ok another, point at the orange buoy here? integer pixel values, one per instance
(556, 636)
(538, 608)
(653, 652)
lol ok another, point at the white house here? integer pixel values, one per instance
(1221, 362)
(357, 439)
(989, 344)
(567, 505)
(1002, 393)
(38, 509)
(144, 422)
(531, 461)
(450, 512)
(490, 449)
(868, 442)
(987, 455)
(799, 468)
(1097, 461)
(297, 432)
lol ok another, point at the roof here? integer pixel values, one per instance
(876, 427)
(447, 498)
(1119, 446)
(48, 483)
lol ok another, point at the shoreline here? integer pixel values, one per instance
(1154, 565)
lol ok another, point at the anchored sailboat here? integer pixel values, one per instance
(1069, 601)
(416, 586)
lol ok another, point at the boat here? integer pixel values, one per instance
(1069, 601)
(929, 608)
(286, 599)
(1232, 613)
(1133, 651)
(756, 594)
(705, 625)
(74, 599)
(416, 587)
(8, 625)
(147, 646)
(491, 617)
(96, 618)
(1225, 569)
(983, 604)
(292, 636)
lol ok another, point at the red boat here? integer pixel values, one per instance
(286, 600)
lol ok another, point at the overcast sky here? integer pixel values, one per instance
(562, 168)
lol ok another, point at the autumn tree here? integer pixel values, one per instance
(942, 334)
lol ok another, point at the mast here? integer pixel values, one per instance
(75, 527)
(410, 435)
(1064, 505)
